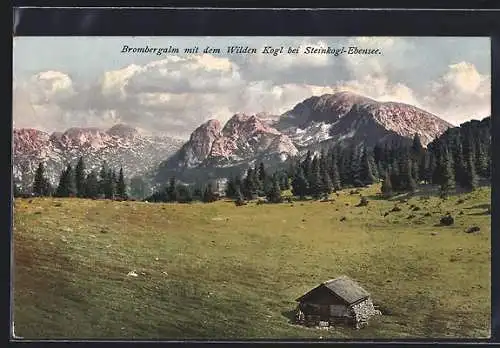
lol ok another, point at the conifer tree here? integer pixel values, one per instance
(91, 185)
(16, 191)
(239, 199)
(284, 181)
(250, 187)
(273, 195)
(470, 179)
(458, 161)
(366, 168)
(103, 178)
(306, 165)
(66, 187)
(299, 184)
(110, 185)
(184, 194)
(354, 171)
(387, 185)
(198, 193)
(121, 188)
(445, 173)
(171, 190)
(315, 188)
(326, 181)
(335, 177)
(412, 183)
(346, 167)
(231, 188)
(209, 194)
(417, 149)
(378, 154)
(80, 178)
(40, 182)
(138, 187)
(262, 173)
(395, 176)
(481, 159)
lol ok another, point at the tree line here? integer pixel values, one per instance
(76, 182)
(460, 156)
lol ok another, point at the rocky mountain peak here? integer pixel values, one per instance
(123, 131)
(327, 108)
(247, 125)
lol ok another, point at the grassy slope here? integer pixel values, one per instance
(220, 271)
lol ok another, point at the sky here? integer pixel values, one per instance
(63, 82)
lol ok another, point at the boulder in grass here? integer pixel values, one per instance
(473, 229)
(447, 220)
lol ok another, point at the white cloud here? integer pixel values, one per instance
(174, 95)
(461, 93)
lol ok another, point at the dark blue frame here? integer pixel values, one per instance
(259, 22)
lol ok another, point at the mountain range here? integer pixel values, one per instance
(119, 146)
(317, 122)
(215, 149)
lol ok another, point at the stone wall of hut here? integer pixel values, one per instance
(362, 312)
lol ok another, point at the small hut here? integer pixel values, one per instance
(340, 300)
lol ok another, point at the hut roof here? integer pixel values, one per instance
(342, 287)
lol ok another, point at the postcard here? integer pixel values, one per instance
(210, 188)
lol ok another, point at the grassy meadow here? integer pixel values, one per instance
(217, 271)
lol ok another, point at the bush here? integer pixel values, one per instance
(447, 220)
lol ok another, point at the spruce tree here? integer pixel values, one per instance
(171, 190)
(250, 186)
(239, 199)
(306, 165)
(110, 185)
(346, 167)
(80, 178)
(395, 177)
(355, 166)
(184, 194)
(326, 181)
(458, 160)
(103, 178)
(91, 185)
(445, 173)
(39, 183)
(284, 181)
(417, 149)
(299, 184)
(412, 183)
(231, 188)
(481, 160)
(273, 195)
(121, 188)
(16, 191)
(366, 169)
(335, 177)
(138, 187)
(387, 185)
(315, 188)
(66, 187)
(470, 179)
(262, 173)
(209, 194)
